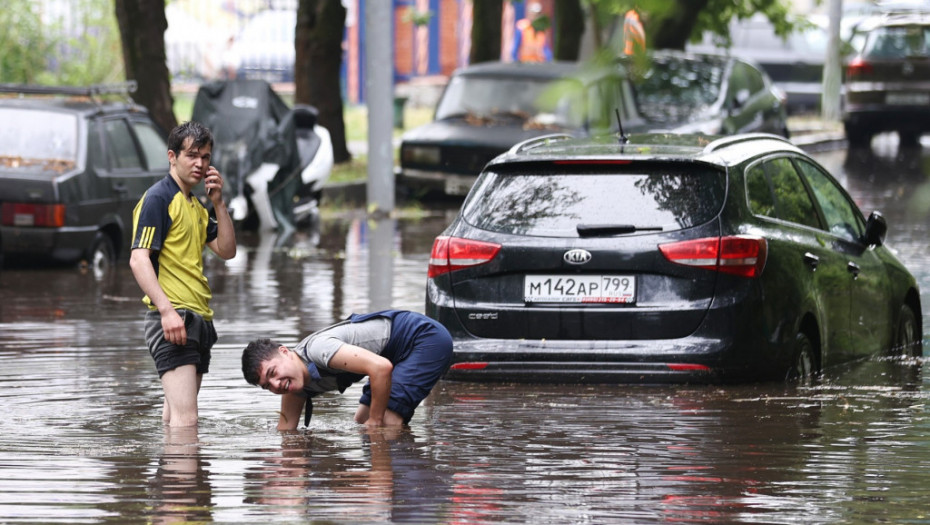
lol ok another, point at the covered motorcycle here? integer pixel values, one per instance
(274, 157)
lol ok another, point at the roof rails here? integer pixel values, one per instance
(539, 141)
(905, 16)
(736, 139)
(93, 91)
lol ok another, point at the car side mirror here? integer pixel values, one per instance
(741, 97)
(875, 229)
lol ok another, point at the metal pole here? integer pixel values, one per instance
(379, 87)
(381, 263)
(832, 71)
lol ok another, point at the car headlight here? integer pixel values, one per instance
(420, 155)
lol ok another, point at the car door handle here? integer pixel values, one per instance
(853, 268)
(120, 188)
(811, 260)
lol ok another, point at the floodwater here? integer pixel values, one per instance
(81, 440)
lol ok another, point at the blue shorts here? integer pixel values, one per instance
(417, 370)
(201, 337)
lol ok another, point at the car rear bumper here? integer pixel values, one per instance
(879, 118)
(54, 244)
(685, 360)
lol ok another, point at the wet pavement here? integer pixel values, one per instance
(81, 439)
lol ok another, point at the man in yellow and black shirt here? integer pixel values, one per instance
(170, 228)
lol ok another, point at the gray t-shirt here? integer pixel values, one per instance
(320, 346)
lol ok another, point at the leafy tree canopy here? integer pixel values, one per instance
(672, 23)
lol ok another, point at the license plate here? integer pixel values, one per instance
(455, 185)
(908, 99)
(579, 289)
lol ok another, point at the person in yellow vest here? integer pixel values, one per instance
(170, 228)
(634, 36)
(530, 42)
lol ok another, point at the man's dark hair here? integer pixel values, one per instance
(255, 353)
(198, 133)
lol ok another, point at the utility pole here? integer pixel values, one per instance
(832, 70)
(379, 89)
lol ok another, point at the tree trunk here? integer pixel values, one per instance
(142, 26)
(673, 30)
(318, 46)
(486, 31)
(569, 29)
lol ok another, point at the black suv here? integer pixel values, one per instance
(888, 83)
(72, 167)
(664, 257)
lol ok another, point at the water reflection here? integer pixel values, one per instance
(180, 487)
(293, 286)
(391, 478)
(81, 439)
(382, 247)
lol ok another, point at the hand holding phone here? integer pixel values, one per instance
(209, 169)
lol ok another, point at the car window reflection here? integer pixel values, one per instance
(555, 204)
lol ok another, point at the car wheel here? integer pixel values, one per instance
(858, 136)
(906, 340)
(102, 256)
(804, 364)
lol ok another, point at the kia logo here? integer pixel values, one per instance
(577, 256)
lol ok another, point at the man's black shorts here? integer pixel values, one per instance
(201, 336)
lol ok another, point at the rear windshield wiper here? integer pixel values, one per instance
(595, 230)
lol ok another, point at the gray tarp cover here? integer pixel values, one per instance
(251, 124)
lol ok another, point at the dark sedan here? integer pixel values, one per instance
(484, 110)
(661, 257)
(72, 167)
(693, 93)
(888, 83)
(794, 62)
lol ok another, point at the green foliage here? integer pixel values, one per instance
(713, 17)
(417, 18)
(90, 51)
(85, 49)
(718, 13)
(23, 47)
(541, 23)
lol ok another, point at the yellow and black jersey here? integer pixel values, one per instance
(176, 227)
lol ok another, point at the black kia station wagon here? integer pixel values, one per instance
(665, 258)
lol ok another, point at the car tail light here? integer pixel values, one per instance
(42, 215)
(687, 367)
(736, 255)
(592, 161)
(858, 68)
(477, 365)
(453, 253)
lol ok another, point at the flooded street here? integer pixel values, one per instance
(81, 439)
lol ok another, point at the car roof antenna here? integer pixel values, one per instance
(623, 137)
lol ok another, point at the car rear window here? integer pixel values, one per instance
(672, 89)
(37, 140)
(898, 42)
(549, 202)
(536, 100)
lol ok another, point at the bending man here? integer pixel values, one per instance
(403, 354)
